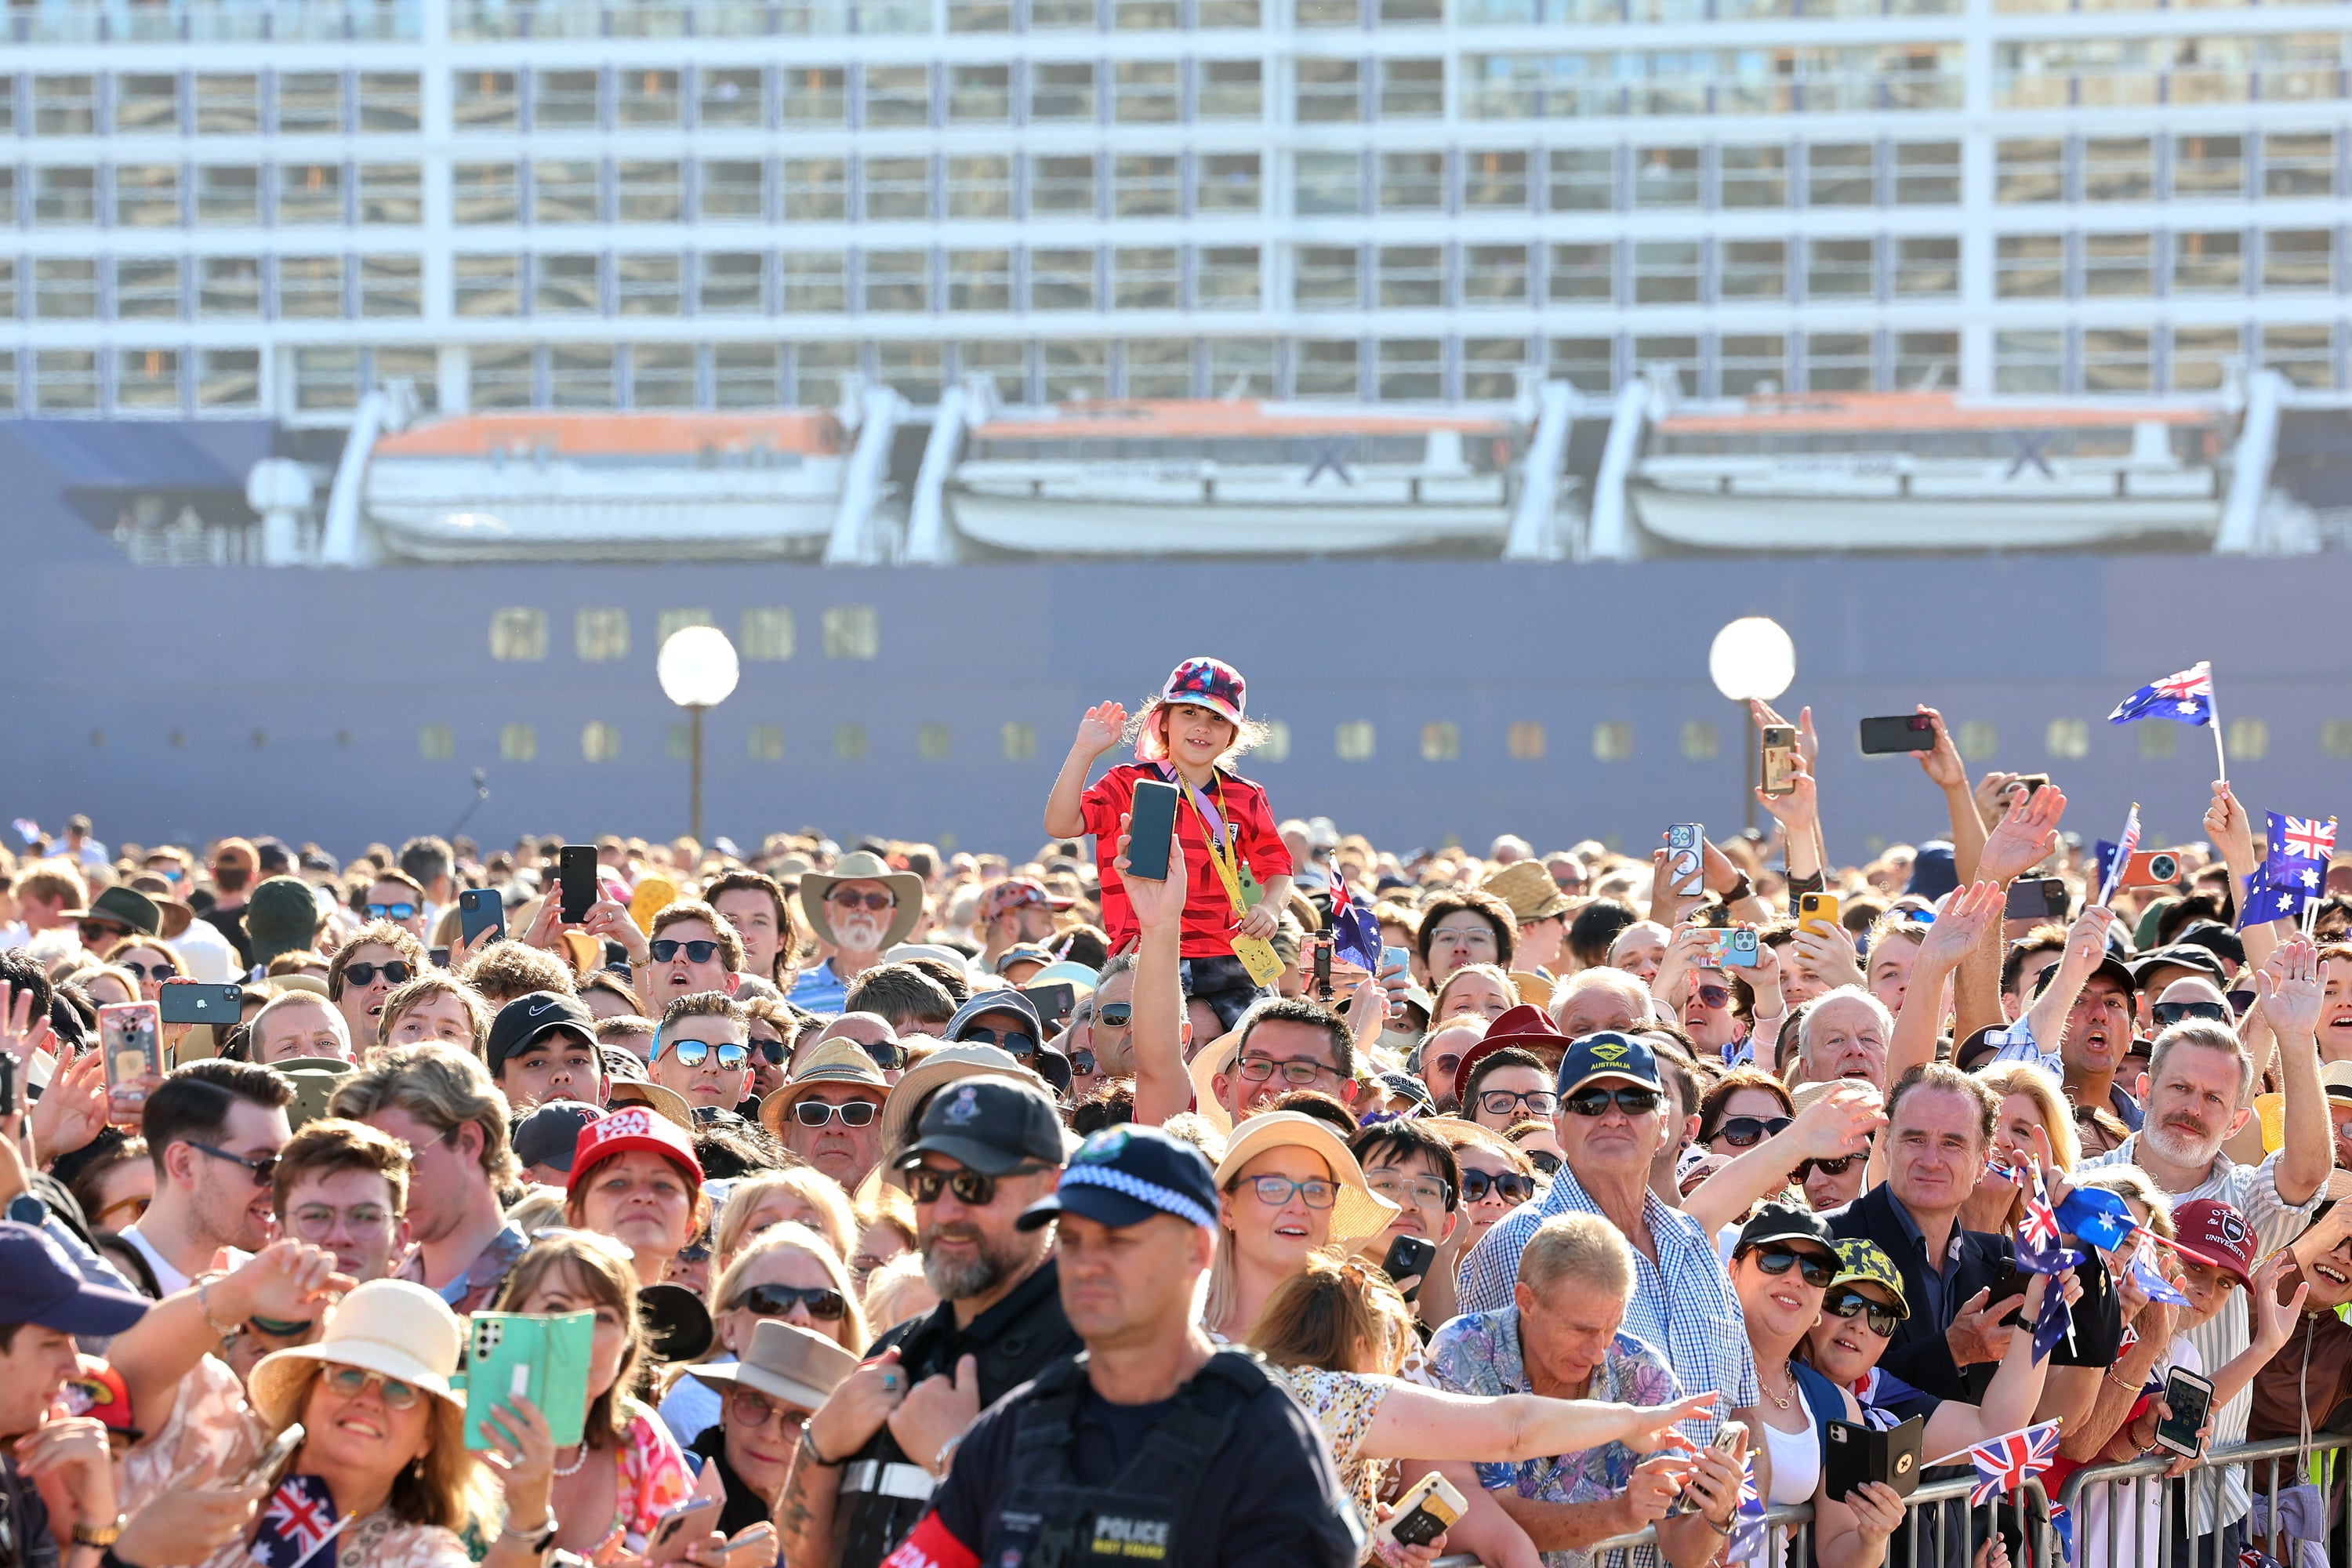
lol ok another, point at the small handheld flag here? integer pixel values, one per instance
(2098, 1217)
(1354, 937)
(2151, 1281)
(2005, 1463)
(2130, 842)
(2185, 699)
(298, 1526)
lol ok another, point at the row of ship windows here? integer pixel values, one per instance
(329, 381)
(1602, 274)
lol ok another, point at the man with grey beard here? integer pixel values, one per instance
(986, 1147)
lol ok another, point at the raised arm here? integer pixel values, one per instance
(1099, 732)
(1805, 859)
(2231, 830)
(1944, 770)
(1968, 914)
(1163, 1088)
(1840, 1122)
(2086, 944)
(2289, 988)
(285, 1280)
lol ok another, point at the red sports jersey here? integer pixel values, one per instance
(1209, 919)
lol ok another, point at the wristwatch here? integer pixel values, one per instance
(94, 1535)
(26, 1209)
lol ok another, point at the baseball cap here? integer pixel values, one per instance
(1124, 1175)
(990, 1123)
(637, 1127)
(1782, 1222)
(2211, 1232)
(1609, 1055)
(39, 1284)
(2197, 960)
(1862, 1262)
(96, 1390)
(533, 1014)
(1018, 893)
(548, 1134)
(1210, 683)
(2111, 966)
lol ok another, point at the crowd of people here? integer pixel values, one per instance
(929, 1209)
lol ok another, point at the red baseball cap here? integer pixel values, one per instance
(634, 1127)
(2213, 1233)
(1018, 893)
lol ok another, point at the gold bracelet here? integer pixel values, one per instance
(204, 1306)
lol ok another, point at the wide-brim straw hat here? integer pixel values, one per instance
(388, 1326)
(1358, 1214)
(1218, 1056)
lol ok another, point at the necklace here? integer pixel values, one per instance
(578, 1463)
(1786, 1376)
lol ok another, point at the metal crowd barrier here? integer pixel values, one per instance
(2170, 1524)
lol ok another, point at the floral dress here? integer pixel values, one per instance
(1343, 1404)
(654, 1478)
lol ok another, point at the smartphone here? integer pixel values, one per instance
(1778, 758)
(1819, 910)
(1896, 732)
(7, 1084)
(1409, 1257)
(2189, 1397)
(1323, 969)
(2151, 868)
(681, 1527)
(542, 1356)
(132, 1036)
(575, 869)
(480, 910)
(1397, 958)
(1151, 822)
(2036, 899)
(1053, 1002)
(271, 1459)
(1687, 859)
(1428, 1509)
(2030, 783)
(1858, 1456)
(1731, 948)
(2012, 1282)
(193, 1002)
(1726, 1440)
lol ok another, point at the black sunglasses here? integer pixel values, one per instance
(1747, 1131)
(1597, 1102)
(665, 948)
(163, 971)
(394, 973)
(1543, 1160)
(824, 1302)
(772, 1052)
(1848, 1303)
(1837, 1167)
(1511, 1186)
(2240, 1001)
(973, 1189)
(1015, 1043)
(1816, 1271)
(260, 1167)
(2168, 1014)
(888, 1055)
(1082, 1060)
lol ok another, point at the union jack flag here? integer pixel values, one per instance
(2038, 1249)
(2185, 699)
(2303, 837)
(2014, 1175)
(299, 1524)
(2255, 1557)
(2006, 1463)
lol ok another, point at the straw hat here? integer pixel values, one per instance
(1359, 1214)
(836, 1060)
(389, 1326)
(1216, 1056)
(785, 1362)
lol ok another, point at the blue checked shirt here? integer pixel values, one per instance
(1681, 1303)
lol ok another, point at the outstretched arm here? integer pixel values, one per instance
(1099, 732)
(2232, 829)
(1413, 1422)
(1968, 913)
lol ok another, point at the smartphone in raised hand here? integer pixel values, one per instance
(575, 870)
(1150, 829)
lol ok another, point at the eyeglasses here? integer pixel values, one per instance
(94, 934)
(665, 948)
(1393, 1185)
(1504, 1102)
(350, 1382)
(1597, 1102)
(1816, 1271)
(1883, 1320)
(394, 973)
(877, 903)
(1543, 1160)
(1713, 996)
(1747, 1131)
(1508, 1185)
(694, 1053)
(1015, 1043)
(159, 970)
(1116, 1013)
(392, 911)
(1297, 1071)
(973, 1189)
(1464, 936)
(316, 1222)
(1837, 1167)
(2168, 1014)
(260, 1167)
(750, 1407)
(824, 1302)
(1274, 1190)
(851, 1113)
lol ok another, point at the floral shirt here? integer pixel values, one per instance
(1343, 1404)
(655, 1478)
(1478, 1353)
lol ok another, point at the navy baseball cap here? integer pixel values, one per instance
(39, 1284)
(1123, 1175)
(990, 1122)
(548, 1134)
(1609, 1055)
(535, 1013)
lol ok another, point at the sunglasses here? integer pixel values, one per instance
(694, 1053)
(1015, 1043)
(93, 934)
(666, 948)
(877, 903)
(973, 1189)
(1883, 1320)
(1837, 1167)
(1713, 996)
(2168, 1014)
(260, 1167)
(350, 1381)
(2240, 1001)
(394, 973)
(822, 1301)
(1116, 1013)
(1508, 1185)
(816, 1112)
(1504, 1102)
(151, 971)
(104, 1219)
(1747, 1131)
(750, 1407)
(1597, 1102)
(390, 911)
(1776, 1260)
(772, 1052)
(888, 1055)
(1082, 1061)
(1543, 1160)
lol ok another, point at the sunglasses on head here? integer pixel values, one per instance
(877, 903)
(1632, 1101)
(1508, 1185)
(973, 1189)
(694, 1053)
(824, 1302)
(1116, 1013)
(665, 948)
(392, 911)
(818, 1113)
(1816, 1271)
(1747, 1131)
(1849, 1303)
(2168, 1014)
(394, 973)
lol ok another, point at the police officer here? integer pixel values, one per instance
(986, 1147)
(1154, 1447)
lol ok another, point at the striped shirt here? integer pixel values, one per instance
(2252, 1191)
(1681, 1304)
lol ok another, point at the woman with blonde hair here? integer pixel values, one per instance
(1477, 990)
(800, 1196)
(2029, 1098)
(1290, 1189)
(788, 1272)
(899, 1291)
(885, 1233)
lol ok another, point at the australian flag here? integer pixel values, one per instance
(2110, 865)
(2185, 699)
(2293, 870)
(2098, 1216)
(1747, 1521)
(2149, 1279)
(298, 1526)
(1354, 937)
(2006, 1463)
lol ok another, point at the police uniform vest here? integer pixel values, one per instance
(1050, 1520)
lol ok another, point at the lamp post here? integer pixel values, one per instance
(1751, 658)
(698, 671)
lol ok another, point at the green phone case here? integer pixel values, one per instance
(545, 1358)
